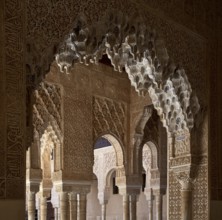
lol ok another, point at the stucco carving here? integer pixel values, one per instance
(109, 116)
(105, 162)
(47, 109)
(13, 95)
(130, 44)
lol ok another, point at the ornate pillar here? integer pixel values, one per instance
(73, 206)
(63, 205)
(132, 206)
(186, 199)
(81, 210)
(43, 208)
(31, 206)
(183, 171)
(126, 207)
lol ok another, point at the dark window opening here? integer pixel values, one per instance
(115, 187)
(143, 181)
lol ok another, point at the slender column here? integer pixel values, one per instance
(125, 207)
(150, 209)
(132, 206)
(31, 206)
(158, 206)
(56, 216)
(103, 211)
(38, 206)
(63, 205)
(81, 208)
(73, 206)
(43, 208)
(186, 195)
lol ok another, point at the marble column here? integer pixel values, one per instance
(56, 214)
(103, 211)
(73, 206)
(158, 199)
(132, 206)
(150, 209)
(31, 206)
(81, 208)
(125, 207)
(43, 208)
(63, 205)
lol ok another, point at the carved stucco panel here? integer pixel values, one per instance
(200, 205)
(78, 144)
(109, 116)
(12, 88)
(174, 197)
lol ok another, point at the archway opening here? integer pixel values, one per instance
(108, 157)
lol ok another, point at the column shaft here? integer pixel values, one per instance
(132, 206)
(103, 211)
(43, 208)
(158, 207)
(31, 206)
(56, 217)
(73, 206)
(63, 205)
(125, 207)
(150, 210)
(81, 206)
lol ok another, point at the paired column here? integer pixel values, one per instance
(81, 208)
(132, 206)
(73, 206)
(129, 206)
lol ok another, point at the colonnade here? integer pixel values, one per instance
(73, 206)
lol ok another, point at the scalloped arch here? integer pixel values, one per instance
(136, 48)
